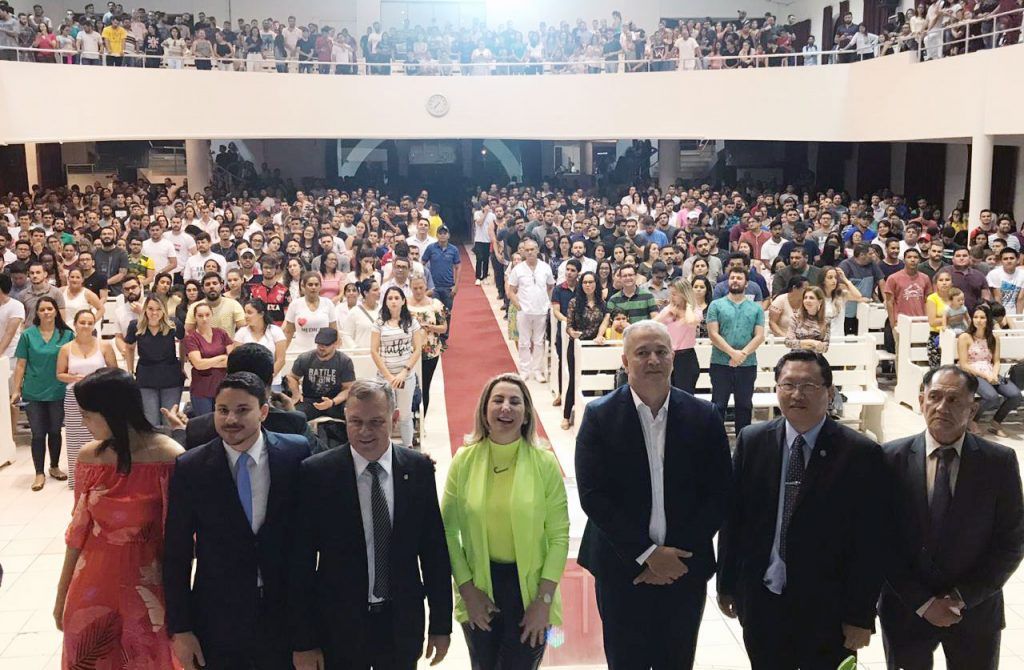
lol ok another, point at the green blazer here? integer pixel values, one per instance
(540, 522)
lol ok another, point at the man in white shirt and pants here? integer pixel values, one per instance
(530, 284)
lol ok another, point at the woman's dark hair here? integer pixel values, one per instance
(404, 317)
(161, 275)
(261, 309)
(709, 289)
(58, 320)
(581, 298)
(113, 394)
(806, 356)
(990, 337)
(365, 285)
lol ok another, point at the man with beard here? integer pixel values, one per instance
(736, 329)
(578, 251)
(266, 287)
(111, 261)
(227, 313)
(127, 308)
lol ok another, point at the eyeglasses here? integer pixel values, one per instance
(807, 388)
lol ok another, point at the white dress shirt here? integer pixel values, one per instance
(259, 481)
(589, 265)
(532, 286)
(259, 478)
(654, 427)
(364, 484)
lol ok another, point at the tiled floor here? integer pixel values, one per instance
(32, 548)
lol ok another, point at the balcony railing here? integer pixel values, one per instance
(987, 32)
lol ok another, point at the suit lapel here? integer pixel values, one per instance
(401, 478)
(275, 495)
(774, 457)
(631, 426)
(968, 480)
(917, 473)
(224, 482)
(348, 494)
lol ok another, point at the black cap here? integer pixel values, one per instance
(326, 336)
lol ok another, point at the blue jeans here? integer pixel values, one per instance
(45, 418)
(155, 399)
(737, 382)
(446, 298)
(1003, 398)
(201, 405)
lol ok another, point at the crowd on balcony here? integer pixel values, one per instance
(142, 38)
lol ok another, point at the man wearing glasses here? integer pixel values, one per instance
(800, 554)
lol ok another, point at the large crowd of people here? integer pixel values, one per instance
(115, 299)
(141, 38)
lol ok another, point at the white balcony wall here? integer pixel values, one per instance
(824, 103)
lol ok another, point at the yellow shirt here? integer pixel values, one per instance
(114, 39)
(612, 334)
(499, 501)
(940, 307)
(435, 223)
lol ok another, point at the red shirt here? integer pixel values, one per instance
(276, 297)
(909, 293)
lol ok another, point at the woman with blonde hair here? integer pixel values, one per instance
(682, 320)
(158, 369)
(809, 329)
(507, 525)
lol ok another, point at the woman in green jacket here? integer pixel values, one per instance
(507, 524)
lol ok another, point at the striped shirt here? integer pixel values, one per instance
(637, 308)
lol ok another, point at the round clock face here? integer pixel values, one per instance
(437, 105)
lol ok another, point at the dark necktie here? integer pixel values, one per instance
(794, 476)
(381, 534)
(942, 493)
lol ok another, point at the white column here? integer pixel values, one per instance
(1018, 187)
(586, 157)
(31, 164)
(956, 177)
(198, 166)
(668, 162)
(981, 177)
(898, 167)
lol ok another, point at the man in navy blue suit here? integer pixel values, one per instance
(654, 476)
(229, 506)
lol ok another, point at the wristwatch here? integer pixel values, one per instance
(546, 598)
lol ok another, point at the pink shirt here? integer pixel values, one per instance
(684, 335)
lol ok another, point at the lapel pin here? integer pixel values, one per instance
(824, 453)
(405, 476)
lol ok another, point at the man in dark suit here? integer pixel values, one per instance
(960, 534)
(801, 550)
(259, 360)
(230, 504)
(370, 526)
(652, 466)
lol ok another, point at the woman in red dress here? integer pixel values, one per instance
(110, 601)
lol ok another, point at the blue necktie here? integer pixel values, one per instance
(244, 482)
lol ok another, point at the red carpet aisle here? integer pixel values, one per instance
(476, 352)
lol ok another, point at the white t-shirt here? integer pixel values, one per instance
(308, 322)
(271, 336)
(184, 245)
(12, 309)
(396, 345)
(481, 226)
(89, 44)
(194, 266)
(1010, 285)
(160, 252)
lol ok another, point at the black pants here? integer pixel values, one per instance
(910, 644)
(649, 627)
(306, 407)
(737, 382)
(778, 637)
(269, 649)
(500, 648)
(569, 399)
(850, 325)
(429, 367)
(482, 252)
(685, 370)
(45, 418)
(499, 276)
(203, 64)
(373, 645)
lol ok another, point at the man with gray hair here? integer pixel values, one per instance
(959, 516)
(652, 511)
(385, 497)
